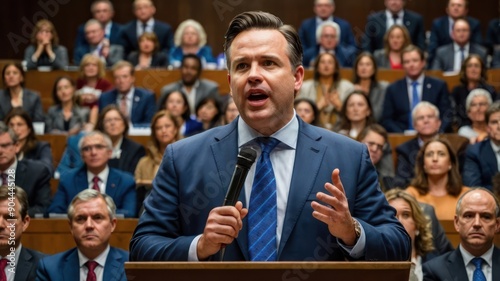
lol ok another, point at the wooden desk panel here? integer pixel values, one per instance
(52, 236)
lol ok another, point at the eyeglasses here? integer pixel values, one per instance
(379, 147)
(89, 148)
(6, 145)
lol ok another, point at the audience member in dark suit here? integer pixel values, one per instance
(324, 10)
(481, 159)
(65, 116)
(45, 50)
(472, 76)
(191, 84)
(442, 27)
(396, 39)
(23, 262)
(401, 96)
(477, 220)
(378, 23)
(166, 232)
(15, 95)
(126, 152)
(144, 11)
(90, 213)
(32, 176)
(327, 36)
(103, 11)
(148, 55)
(449, 57)
(96, 149)
(190, 38)
(138, 105)
(493, 34)
(426, 123)
(98, 45)
(28, 147)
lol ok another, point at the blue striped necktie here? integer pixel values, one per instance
(478, 274)
(262, 213)
(414, 101)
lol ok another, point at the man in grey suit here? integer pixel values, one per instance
(450, 57)
(477, 220)
(99, 45)
(191, 85)
(21, 262)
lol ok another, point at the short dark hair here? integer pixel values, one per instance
(192, 56)
(412, 48)
(262, 20)
(100, 120)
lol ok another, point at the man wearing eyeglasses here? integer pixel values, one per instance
(95, 149)
(32, 176)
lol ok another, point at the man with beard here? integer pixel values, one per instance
(191, 85)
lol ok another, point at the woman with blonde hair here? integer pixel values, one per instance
(396, 39)
(91, 84)
(190, 38)
(416, 224)
(45, 50)
(437, 179)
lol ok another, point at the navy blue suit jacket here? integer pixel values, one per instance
(143, 105)
(407, 155)
(307, 32)
(346, 55)
(128, 36)
(396, 114)
(27, 264)
(114, 36)
(493, 34)
(376, 26)
(178, 206)
(480, 165)
(65, 266)
(440, 34)
(450, 266)
(120, 186)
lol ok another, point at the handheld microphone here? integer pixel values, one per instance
(246, 158)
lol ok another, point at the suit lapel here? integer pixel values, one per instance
(488, 155)
(112, 182)
(456, 266)
(81, 181)
(71, 267)
(20, 174)
(451, 58)
(23, 265)
(496, 262)
(135, 102)
(404, 90)
(308, 159)
(227, 141)
(112, 267)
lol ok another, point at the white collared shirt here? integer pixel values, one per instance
(117, 151)
(390, 20)
(107, 29)
(130, 97)
(9, 271)
(457, 59)
(99, 270)
(150, 23)
(486, 266)
(320, 20)
(191, 97)
(103, 178)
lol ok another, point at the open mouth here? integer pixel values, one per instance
(257, 97)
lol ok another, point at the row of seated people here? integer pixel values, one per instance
(148, 42)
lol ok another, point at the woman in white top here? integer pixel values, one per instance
(476, 104)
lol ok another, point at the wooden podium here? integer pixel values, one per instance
(268, 271)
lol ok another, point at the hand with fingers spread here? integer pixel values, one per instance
(335, 210)
(223, 225)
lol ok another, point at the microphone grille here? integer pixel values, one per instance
(246, 157)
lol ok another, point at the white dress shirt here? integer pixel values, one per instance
(99, 270)
(103, 178)
(150, 24)
(390, 21)
(486, 266)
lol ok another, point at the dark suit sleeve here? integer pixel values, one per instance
(150, 108)
(43, 192)
(475, 32)
(45, 157)
(420, 33)
(38, 115)
(445, 110)
(128, 206)
(433, 41)
(150, 241)
(388, 118)
(404, 171)
(371, 29)
(429, 274)
(61, 60)
(437, 63)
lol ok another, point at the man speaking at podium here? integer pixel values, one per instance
(312, 195)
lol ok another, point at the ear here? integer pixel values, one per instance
(299, 77)
(26, 222)
(455, 223)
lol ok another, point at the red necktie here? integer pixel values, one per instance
(3, 263)
(91, 265)
(96, 183)
(123, 105)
